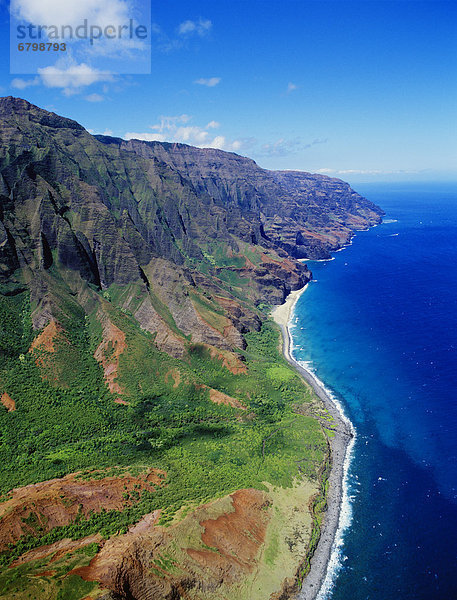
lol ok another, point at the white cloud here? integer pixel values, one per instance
(284, 147)
(219, 142)
(88, 17)
(22, 84)
(351, 171)
(170, 122)
(71, 76)
(72, 12)
(68, 75)
(95, 98)
(281, 147)
(210, 82)
(200, 27)
(315, 142)
(176, 129)
(146, 137)
(291, 87)
(183, 34)
(192, 135)
(95, 132)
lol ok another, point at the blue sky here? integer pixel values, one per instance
(365, 91)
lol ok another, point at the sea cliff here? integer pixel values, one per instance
(155, 442)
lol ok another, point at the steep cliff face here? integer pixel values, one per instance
(108, 209)
(307, 215)
(112, 212)
(135, 284)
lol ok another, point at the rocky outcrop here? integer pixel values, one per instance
(283, 207)
(108, 353)
(162, 217)
(153, 260)
(42, 506)
(223, 539)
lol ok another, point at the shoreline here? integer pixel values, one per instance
(341, 445)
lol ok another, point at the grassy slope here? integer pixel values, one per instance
(207, 450)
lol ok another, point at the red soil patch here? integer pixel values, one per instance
(237, 536)
(357, 221)
(248, 264)
(229, 360)
(114, 552)
(108, 353)
(227, 302)
(123, 402)
(318, 236)
(45, 340)
(175, 375)
(58, 502)
(220, 398)
(286, 264)
(145, 524)
(8, 402)
(45, 347)
(59, 549)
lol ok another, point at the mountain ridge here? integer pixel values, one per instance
(182, 199)
(136, 281)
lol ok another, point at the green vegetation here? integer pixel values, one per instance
(207, 450)
(271, 551)
(119, 294)
(102, 234)
(209, 311)
(48, 577)
(15, 325)
(74, 588)
(318, 509)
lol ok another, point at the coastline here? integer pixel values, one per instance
(340, 445)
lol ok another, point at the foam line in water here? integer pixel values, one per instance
(337, 558)
(306, 260)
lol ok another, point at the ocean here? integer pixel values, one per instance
(378, 325)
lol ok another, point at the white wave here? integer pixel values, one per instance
(308, 366)
(344, 246)
(337, 558)
(307, 260)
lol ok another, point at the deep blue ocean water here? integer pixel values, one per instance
(379, 327)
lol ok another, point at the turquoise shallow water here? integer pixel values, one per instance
(379, 327)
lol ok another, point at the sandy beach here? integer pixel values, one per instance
(339, 449)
